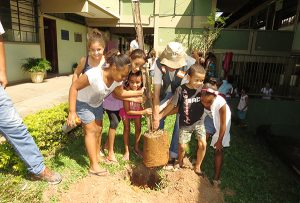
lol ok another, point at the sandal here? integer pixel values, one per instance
(102, 172)
(199, 173)
(111, 161)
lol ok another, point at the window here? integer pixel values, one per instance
(77, 37)
(64, 34)
(19, 19)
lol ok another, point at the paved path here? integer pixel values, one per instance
(29, 98)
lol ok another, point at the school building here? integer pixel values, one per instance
(264, 36)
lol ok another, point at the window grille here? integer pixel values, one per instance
(20, 20)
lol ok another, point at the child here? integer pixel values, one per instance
(86, 96)
(187, 103)
(243, 107)
(216, 107)
(133, 110)
(226, 89)
(138, 59)
(266, 91)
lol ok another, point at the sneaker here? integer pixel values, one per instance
(49, 176)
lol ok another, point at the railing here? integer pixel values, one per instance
(254, 71)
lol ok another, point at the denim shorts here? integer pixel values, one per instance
(88, 114)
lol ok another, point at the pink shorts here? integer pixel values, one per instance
(124, 115)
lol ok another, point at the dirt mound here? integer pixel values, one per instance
(180, 186)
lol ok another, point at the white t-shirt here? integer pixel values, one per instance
(151, 62)
(267, 93)
(243, 103)
(214, 113)
(1, 29)
(134, 45)
(95, 93)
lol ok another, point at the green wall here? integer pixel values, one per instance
(233, 39)
(185, 7)
(296, 42)
(146, 6)
(69, 51)
(274, 41)
(283, 116)
(167, 35)
(15, 53)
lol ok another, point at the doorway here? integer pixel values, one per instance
(51, 43)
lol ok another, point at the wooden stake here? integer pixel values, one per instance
(145, 70)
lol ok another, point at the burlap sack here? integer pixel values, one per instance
(156, 149)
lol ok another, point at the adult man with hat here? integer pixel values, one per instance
(169, 73)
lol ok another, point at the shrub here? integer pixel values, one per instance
(46, 129)
(36, 65)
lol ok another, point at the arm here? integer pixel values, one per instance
(133, 112)
(169, 110)
(79, 84)
(222, 112)
(130, 99)
(121, 93)
(156, 106)
(78, 69)
(3, 78)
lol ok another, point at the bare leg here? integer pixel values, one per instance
(181, 153)
(200, 154)
(126, 133)
(91, 132)
(98, 136)
(138, 130)
(111, 140)
(218, 163)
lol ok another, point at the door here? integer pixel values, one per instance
(51, 43)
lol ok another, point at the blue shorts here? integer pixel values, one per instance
(241, 114)
(209, 125)
(88, 114)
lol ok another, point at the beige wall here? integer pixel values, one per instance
(69, 51)
(15, 53)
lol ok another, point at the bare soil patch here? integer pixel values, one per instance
(182, 185)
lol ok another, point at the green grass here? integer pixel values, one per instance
(250, 172)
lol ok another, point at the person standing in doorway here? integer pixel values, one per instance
(16, 133)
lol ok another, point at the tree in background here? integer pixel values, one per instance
(202, 42)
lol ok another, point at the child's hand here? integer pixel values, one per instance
(141, 91)
(73, 120)
(148, 111)
(218, 145)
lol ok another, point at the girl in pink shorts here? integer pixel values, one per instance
(133, 110)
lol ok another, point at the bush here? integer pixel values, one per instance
(46, 129)
(36, 65)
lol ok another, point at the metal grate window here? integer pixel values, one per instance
(20, 20)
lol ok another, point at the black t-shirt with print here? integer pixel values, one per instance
(190, 108)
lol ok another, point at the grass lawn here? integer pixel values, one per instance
(250, 172)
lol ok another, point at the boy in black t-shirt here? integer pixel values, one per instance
(186, 101)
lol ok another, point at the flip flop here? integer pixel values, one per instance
(199, 173)
(110, 161)
(102, 172)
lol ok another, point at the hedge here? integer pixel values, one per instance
(46, 129)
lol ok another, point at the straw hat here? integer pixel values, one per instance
(173, 56)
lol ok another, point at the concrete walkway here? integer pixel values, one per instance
(29, 98)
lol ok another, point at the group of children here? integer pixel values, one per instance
(113, 83)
